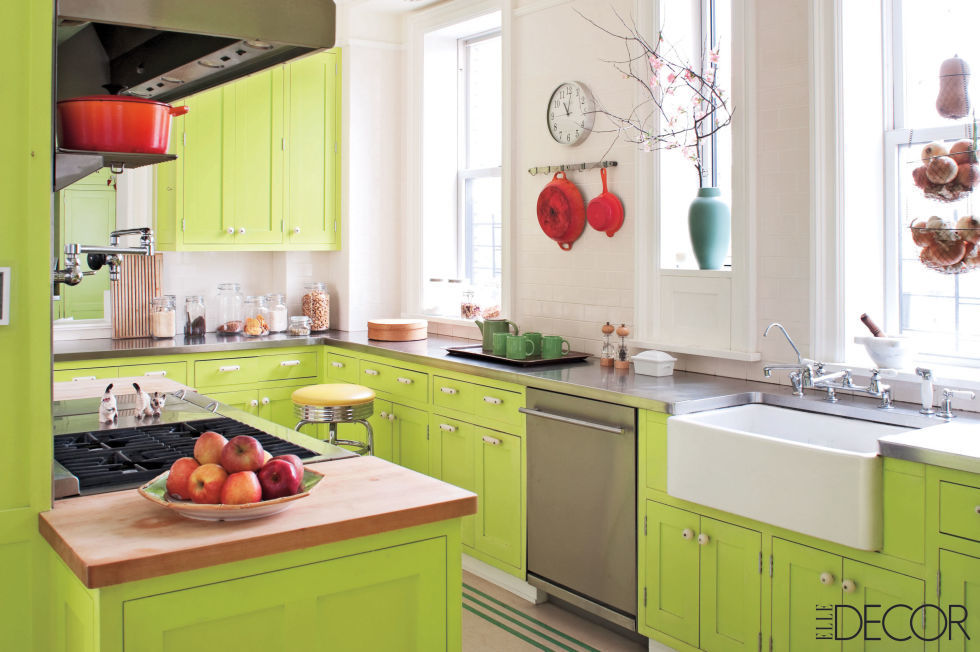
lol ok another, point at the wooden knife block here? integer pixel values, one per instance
(140, 280)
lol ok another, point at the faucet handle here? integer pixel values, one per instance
(923, 373)
(946, 410)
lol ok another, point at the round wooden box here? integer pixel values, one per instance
(398, 330)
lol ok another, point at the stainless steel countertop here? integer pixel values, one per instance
(681, 393)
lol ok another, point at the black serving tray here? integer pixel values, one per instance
(476, 352)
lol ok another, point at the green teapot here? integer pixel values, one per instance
(491, 326)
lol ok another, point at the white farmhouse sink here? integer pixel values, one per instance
(812, 473)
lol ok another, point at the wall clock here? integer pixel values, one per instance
(571, 113)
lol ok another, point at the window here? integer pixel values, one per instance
(941, 311)
(461, 217)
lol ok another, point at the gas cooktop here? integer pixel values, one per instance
(122, 458)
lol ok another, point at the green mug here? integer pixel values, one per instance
(500, 343)
(535, 339)
(518, 347)
(554, 346)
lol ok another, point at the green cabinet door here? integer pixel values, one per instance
(253, 158)
(391, 599)
(872, 591)
(88, 215)
(201, 175)
(276, 405)
(458, 441)
(380, 422)
(312, 198)
(803, 580)
(731, 587)
(500, 518)
(671, 580)
(410, 435)
(246, 400)
(959, 597)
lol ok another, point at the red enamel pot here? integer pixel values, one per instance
(116, 123)
(605, 212)
(561, 211)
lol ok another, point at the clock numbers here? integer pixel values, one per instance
(571, 113)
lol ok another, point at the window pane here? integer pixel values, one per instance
(934, 31)
(484, 103)
(483, 231)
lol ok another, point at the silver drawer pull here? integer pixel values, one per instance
(289, 363)
(156, 373)
(339, 365)
(572, 421)
(404, 381)
(493, 441)
(371, 372)
(448, 390)
(83, 378)
(492, 401)
(231, 367)
(446, 427)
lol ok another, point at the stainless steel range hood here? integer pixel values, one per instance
(168, 49)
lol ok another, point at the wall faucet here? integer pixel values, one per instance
(800, 373)
(97, 256)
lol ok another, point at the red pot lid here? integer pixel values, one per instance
(113, 98)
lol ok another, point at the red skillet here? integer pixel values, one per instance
(605, 212)
(561, 211)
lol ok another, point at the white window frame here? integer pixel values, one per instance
(418, 25)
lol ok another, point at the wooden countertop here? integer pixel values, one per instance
(118, 537)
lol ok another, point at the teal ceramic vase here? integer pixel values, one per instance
(709, 222)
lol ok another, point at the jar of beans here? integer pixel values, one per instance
(316, 306)
(230, 309)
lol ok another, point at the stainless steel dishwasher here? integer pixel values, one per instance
(581, 503)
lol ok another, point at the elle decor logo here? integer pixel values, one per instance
(899, 622)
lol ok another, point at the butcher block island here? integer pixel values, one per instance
(370, 560)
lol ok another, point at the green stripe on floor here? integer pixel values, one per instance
(516, 633)
(526, 626)
(533, 620)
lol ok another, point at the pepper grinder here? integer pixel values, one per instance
(608, 350)
(622, 360)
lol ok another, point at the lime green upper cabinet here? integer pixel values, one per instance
(258, 164)
(959, 597)
(804, 578)
(312, 199)
(88, 215)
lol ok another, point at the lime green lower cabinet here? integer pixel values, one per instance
(959, 597)
(399, 590)
(457, 440)
(276, 405)
(703, 581)
(410, 436)
(246, 400)
(871, 591)
(500, 519)
(803, 580)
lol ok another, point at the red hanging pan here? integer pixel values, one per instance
(561, 211)
(605, 212)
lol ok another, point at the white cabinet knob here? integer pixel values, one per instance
(977, 509)
(289, 363)
(404, 381)
(391, 417)
(77, 378)
(156, 373)
(230, 230)
(446, 427)
(703, 539)
(447, 390)
(254, 402)
(826, 578)
(687, 534)
(492, 400)
(241, 230)
(265, 400)
(849, 586)
(338, 365)
(493, 441)
(296, 229)
(382, 415)
(371, 372)
(231, 367)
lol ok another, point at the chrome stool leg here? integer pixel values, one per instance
(301, 423)
(370, 435)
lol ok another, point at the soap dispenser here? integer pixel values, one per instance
(926, 376)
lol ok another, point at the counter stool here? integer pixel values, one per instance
(333, 404)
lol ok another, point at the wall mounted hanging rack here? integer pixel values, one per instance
(571, 167)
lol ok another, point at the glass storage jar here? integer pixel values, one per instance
(468, 309)
(163, 317)
(195, 316)
(316, 306)
(256, 316)
(299, 325)
(278, 316)
(230, 309)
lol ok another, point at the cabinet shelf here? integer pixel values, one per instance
(70, 165)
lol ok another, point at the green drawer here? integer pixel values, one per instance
(176, 371)
(959, 510)
(453, 394)
(89, 373)
(236, 371)
(342, 368)
(395, 382)
(480, 401)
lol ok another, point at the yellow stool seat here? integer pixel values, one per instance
(332, 395)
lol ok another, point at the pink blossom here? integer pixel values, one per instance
(656, 62)
(714, 55)
(671, 77)
(710, 76)
(688, 74)
(654, 81)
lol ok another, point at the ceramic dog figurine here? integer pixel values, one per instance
(108, 412)
(147, 405)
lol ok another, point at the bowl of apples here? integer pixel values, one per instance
(230, 480)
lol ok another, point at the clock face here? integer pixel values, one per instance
(571, 113)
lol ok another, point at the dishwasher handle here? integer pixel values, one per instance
(616, 430)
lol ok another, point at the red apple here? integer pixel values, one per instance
(295, 461)
(178, 480)
(242, 453)
(206, 482)
(208, 447)
(240, 488)
(278, 478)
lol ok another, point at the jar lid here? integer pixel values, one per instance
(193, 298)
(277, 298)
(164, 300)
(314, 285)
(230, 286)
(298, 319)
(255, 298)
